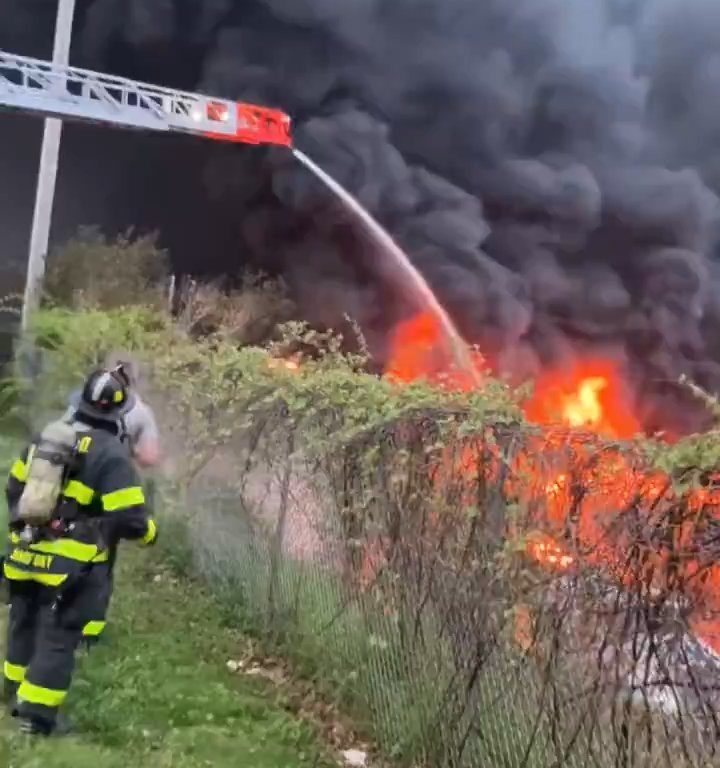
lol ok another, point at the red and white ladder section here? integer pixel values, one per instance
(43, 88)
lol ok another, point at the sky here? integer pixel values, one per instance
(551, 167)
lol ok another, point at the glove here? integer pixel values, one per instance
(152, 533)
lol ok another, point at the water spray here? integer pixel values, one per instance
(422, 292)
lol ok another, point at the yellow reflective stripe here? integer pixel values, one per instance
(74, 550)
(79, 492)
(19, 471)
(46, 697)
(122, 499)
(46, 579)
(71, 549)
(93, 628)
(14, 672)
(149, 537)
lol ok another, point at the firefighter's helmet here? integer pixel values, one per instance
(106, 395)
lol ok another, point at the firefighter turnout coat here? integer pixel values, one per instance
(102, 502)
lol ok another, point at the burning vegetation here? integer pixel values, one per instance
(526, 590)
(587, 495)
(618, 594)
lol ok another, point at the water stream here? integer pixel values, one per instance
(421, 290)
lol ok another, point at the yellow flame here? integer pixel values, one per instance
(556, 487)
(278, 362)
(546, 551)
(584, 407)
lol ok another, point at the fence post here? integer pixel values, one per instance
(171, 295)
(279, 534)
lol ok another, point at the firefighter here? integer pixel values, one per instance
(143, 440)
(139, 420)
(49, 568)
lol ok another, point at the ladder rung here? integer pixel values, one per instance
(68, 92)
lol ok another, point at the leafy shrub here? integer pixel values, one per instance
(92, 271)
(62, 346)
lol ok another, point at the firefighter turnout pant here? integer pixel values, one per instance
(44, 629)
(103, 577)
(101, 584)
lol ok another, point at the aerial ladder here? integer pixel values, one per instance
(51, 90)
(56, 90)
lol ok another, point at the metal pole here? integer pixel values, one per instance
(45, 192)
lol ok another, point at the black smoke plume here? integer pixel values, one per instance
(550, 166)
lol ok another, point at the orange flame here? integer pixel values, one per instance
(544, 550)
(414, 349)
(588, 397)
(419, 350)
(288, 364)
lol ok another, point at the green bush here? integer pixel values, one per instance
(92, 271)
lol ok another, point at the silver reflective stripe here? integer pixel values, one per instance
(100, 385)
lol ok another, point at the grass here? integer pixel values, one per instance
(393, 686)
(158, 693)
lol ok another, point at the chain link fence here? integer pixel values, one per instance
(397, 570)
(488, 596)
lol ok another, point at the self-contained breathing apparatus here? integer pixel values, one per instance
(50, 462)
(45, 510)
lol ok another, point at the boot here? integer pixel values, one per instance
(36, 726)
(31, 726)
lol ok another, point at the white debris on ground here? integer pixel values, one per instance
(355, 758)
